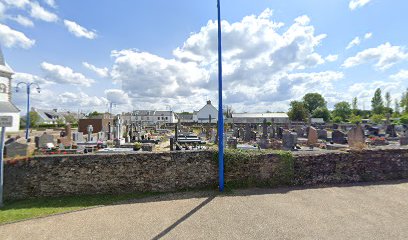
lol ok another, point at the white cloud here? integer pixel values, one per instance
(81, 100)
(51, 3)
(118, 96)
(257, 55)
(101, 72)
(354, 4)
(24, 21)
(401, 75)
(38, 12)
(12, 38)
(27, 77)
(368, 35)
(332, 58)
(64, 75)
(17, 3)
(384, 55)
(78, 30)
(355, 42)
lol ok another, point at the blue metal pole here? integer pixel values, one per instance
(220, 111)
(28, 112)
(3, 132)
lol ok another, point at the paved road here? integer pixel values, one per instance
(345, 212)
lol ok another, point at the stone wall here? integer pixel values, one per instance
(163, 172)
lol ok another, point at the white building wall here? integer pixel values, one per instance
(205, 112)
(16, 122)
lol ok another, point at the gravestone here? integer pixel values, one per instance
(339, 137)
(279, 133)
(68, 131)
(148, 147)
(264, 129)
(312, 136)
(101, 136)
(44, 139)
(15, 149)
(356, 138)
(390, 130)
(372, 131)
(271, 132)
(322, 134)
(289, 140)
(247, 135)
(89, 129)
(78, 137)
(232, 143)
(300, 131)
(403, 140)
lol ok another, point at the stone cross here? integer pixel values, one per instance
(264, 129)
(89, 129)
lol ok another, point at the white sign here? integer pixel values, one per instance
(6, 121)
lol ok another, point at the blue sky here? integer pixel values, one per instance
(161, 54)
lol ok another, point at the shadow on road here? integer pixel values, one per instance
(182, 219)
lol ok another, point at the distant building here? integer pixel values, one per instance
(280, 118)
(153, 116)
(317, 120)
(7, 108)
(186, 118)
(49, 116)
(205, 113)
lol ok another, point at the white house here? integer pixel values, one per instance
(259, 117)
(49, 116)
(7, 108)
(153, 117)
(205, 113)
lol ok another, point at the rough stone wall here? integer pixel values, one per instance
(353, 166)
(163, 172)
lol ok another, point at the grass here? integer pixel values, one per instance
(26, 209)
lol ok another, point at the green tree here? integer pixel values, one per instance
(377, 118)
(354, 104)
(337, 119)
(388, 100)
(342, 110)
(321, 112)
(404, 102)
(355, 119)
(313, 101)
(34, 119)
(297, 111)
(70, 118)
(377, 104)
(94, 114)
(404, 119)
(396, 109)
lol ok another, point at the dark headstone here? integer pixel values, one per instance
(339, 137)
(289, 140)
(15, 149)
(391, 131)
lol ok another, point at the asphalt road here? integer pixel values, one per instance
(342, 212)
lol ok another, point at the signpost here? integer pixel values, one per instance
(5, 121)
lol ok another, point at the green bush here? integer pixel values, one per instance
(404, 119)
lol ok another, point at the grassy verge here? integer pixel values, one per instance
(26, 209)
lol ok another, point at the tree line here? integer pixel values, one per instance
(313, 105)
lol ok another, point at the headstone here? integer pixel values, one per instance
(89, 129)
(312, 136)
(404, 140)
(322, 134)
(264, 129)
(147, 147)
(390, 131)
(15, 149)
(279, 133)
(300, 131)
(101, 136)
(232, 143)
(44, 139)
(78, 137)
(339, 137)
(68, 131)
(356, 138)
(247, 135)
(289, 140)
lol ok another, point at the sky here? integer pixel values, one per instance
(163, 54)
